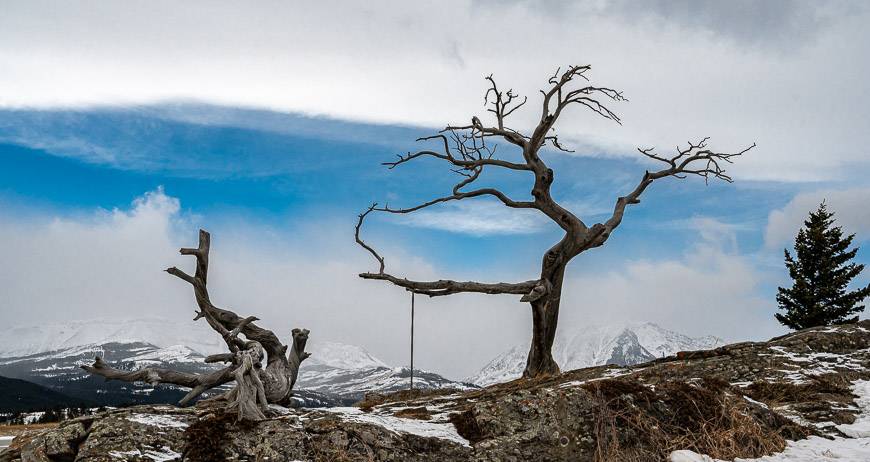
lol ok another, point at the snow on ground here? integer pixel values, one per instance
(823, 363)
(861, 427)
(5, 441)
(444, 431)
(164, 454)
(33, 417)
(156, 420)
(816, 449)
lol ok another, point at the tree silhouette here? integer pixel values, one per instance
(470, 149)
(822, 271)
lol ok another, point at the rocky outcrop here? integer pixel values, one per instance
(741, 400)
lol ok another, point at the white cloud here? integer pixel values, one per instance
(100, 264)
(478, 218)
(710, 289)
(689, 70)
(849, 205)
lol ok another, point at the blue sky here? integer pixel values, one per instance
(268, 125)
(86, 159)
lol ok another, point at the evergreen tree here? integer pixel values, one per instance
(821, 271)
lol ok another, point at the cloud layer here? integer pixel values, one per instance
(786, 74)
(849, 206)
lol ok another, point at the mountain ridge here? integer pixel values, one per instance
(336, 373)
(617, 344)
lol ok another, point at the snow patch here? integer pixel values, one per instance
(860, 428)
(757, 403)
(5, 441)
(162, 421)
(164, 454)
(445, 431)
(816, 363)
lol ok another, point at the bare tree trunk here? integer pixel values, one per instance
(545, 318)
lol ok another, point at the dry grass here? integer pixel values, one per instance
(15, 430)
(419, 413)
(375, 399)
(833, 386)
(636, 423)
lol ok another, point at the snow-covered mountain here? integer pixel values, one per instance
(50, 356)
(341, 356)
(595, 346)
(28, 340)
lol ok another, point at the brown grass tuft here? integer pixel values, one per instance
(638, 423)
(775, 393)
(371, 400)
(419, 413)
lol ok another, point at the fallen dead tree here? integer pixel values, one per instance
(256, 385)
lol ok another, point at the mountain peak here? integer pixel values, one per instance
(342, 356)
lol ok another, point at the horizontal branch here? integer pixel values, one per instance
(448, 287)
(198, 383)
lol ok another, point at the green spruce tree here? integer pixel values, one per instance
(821, 271)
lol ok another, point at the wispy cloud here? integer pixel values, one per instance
(478, 218)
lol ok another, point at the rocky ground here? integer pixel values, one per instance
(741, 400)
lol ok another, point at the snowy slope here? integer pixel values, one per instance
(28, 340)
(597, 345)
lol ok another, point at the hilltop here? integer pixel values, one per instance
(741, 400)
(20, 395)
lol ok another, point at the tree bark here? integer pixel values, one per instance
(545, 309)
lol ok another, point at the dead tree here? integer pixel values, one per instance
(255, 386)
(470, 149)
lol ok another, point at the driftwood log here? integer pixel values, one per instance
(256, 385)
(469, 149)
